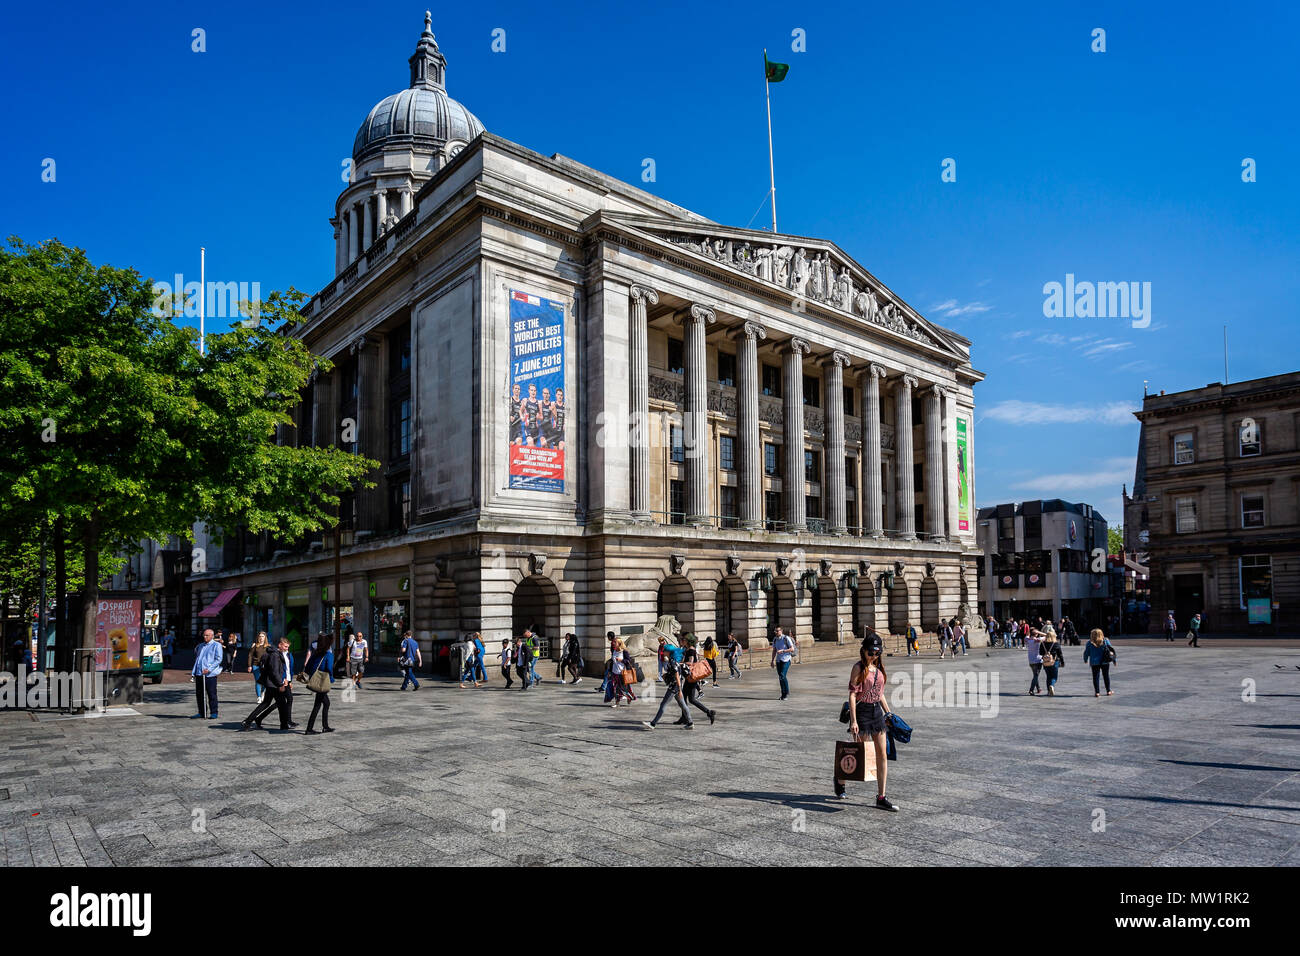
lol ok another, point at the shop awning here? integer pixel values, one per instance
(222, 599)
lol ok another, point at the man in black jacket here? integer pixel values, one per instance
(277, 678)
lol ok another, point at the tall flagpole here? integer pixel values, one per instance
(203, 286)
(771, 166)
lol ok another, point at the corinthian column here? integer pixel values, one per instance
(695, 438)
(367, 229)
(834, 495)
(638, 361)
(934, 504)
(748, 453)
(874, 515)
(906, 508)
(796, 511)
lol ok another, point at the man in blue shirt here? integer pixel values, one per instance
(207, 666)
(782, 653)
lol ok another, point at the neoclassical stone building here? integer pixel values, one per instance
(593, 406)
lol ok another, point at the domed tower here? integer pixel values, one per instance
(403, 141)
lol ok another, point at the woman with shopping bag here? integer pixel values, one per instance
(867, 710)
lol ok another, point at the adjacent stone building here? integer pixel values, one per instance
(1216, 504)
(1045, 559)
(593, 406)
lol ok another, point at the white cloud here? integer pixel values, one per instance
(1069, 483)
(1106, 347)
(951, 309)
(1041, 413)
(1051, 338)
(1020, 334)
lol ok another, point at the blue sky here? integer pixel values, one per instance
(1117, 166)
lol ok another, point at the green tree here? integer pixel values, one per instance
(119, 425)
(1115, 539)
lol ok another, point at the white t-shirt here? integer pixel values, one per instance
(784, 648)
(357, 648)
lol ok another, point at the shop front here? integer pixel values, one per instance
(390, 614)
(296, 608)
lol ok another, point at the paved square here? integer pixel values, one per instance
(1184, 770)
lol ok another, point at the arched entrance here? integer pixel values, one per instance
(780, 605)
(678, 599)
(536, 603)
(732, 610)
(864, 606)
(929, 605)
(826, 611)
(898, 600)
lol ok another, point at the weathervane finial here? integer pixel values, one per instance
(428, 21)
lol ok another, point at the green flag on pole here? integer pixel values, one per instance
(775, 71)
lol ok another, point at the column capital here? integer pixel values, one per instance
(749, 330)
(697, 313)
(837, 358)
(908, 381)
(644, 292)
(796, 346)
(360, 343)
(874, 371)
(935, 391)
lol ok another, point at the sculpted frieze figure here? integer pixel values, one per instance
(844, 290)
(817, 284)
(800, 273)
(764, 257)
(828, 274)
(781, 266)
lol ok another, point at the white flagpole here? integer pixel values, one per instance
(771, 166)
(203, 285)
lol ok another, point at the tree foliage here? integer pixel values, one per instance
(115, 421)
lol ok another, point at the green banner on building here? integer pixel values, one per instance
(963, 479)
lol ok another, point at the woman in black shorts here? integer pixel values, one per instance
(868, 710)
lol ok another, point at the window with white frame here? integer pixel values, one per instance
(1184, 448)
(1252, 511)
(1249, 442)
(1185, 515)
(1255, 577)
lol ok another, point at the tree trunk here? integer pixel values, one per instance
(62, 648)
(89, 599)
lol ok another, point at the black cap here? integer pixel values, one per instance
(873, 643)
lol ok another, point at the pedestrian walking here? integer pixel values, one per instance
(257, 655)
(733, 657)
(693, 683)
(945, 638)
(1035, 660)
(277, 678)
(1049, 651)
(505, 655)
(604, 679)
(521, 658)
(710, 654)
(208, 659)
(572, 658)
(1068, 633)
(958, 638)
(868, 711)
(480, 672)
(465, 647)
(782, 653)
(232, 652)
(168, 645)
(673, 680)
(1194, 634)
(911, 642)
(661, 659)
(1099, 654)
(410, 659)
(1171, 627)
(621, 669)
(533, 654)
(358, 657)
(321, 705)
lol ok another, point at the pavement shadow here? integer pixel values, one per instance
(1201, 803)
(1231, 766)
(801, 801)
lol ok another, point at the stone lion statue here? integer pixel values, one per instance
(647, 644)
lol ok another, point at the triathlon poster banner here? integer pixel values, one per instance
(963, 479)
(536, 393)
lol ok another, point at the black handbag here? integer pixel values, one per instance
(844, 713)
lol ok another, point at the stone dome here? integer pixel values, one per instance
(423, 117)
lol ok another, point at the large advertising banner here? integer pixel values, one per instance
(963, 479)
(535, 393)
(117, 634)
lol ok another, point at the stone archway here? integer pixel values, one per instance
(676, 597)
(864, 606)
(826, 610)
(929, 605)
(731, 610)
(781, 605)
(536, 601)
(899, 598)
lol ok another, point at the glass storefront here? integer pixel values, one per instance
(388, 625)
